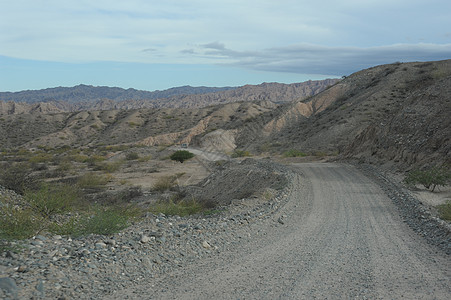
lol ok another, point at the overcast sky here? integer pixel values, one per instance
(149, 45)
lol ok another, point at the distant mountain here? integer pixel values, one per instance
(84, 97)
(89, 93)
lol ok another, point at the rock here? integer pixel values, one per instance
(100, 245)
(40, 237)
(281, 219)
(40, 289)
(206, 245)
(8, 285)
(145, 239)
(22, 269)
(38, 243)
(111, 242)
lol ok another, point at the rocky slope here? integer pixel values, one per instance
(396, 113)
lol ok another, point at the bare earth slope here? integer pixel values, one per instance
(397, 113)
(341, 238)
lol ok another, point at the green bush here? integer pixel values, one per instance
(430, 178)
(131, 156)
(41, 158)
(445, 211)
(17, 177)
(109, 167)
(105, 221)
(18, 223)
(177, 208)
(92, 180)
(181, 155)
(240, 153)
(53, 199)
(294, 153)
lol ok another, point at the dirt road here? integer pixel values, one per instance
(341, 238)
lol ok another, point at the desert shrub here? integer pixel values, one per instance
(92, 180)
(145, 158)
(131, 156)
(93, 160)
(104, 221)
(164, 183)
(17, 222)
(64, 167)
(319, 153)
(122, 197)
(430, 178)
(294, 153)
(41, 158)
(240, 153)
(109, 167)
(179, 208)
(181, 155)
(53, 199)
(17, 177)
(79, 157)
(445, 211)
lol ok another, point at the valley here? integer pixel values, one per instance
(288, 185)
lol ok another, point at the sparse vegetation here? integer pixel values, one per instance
(18, 222)
(17, 177)
(131, 156)
(166, 182)
(53, 199)
(240, 153)
(294, 153)
(179, 208)
(430, 178)
(109, 167)
(181, 155)
(445, 211)
(92, 180)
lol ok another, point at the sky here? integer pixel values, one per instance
(155, 45)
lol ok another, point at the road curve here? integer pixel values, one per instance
(341, 239)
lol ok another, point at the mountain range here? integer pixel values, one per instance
(84, 97)
(396, 114)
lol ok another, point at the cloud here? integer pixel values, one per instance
(214, 45)
(316, 59)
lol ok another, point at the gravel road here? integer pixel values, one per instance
(338, 237)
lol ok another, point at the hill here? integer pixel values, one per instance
(89, 93)
(397, 113)
(84, 97)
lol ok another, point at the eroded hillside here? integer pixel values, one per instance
(143, 126)
(398, 113)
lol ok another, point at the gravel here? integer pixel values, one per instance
(58, 267)
(285, 247)
(436, 231)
